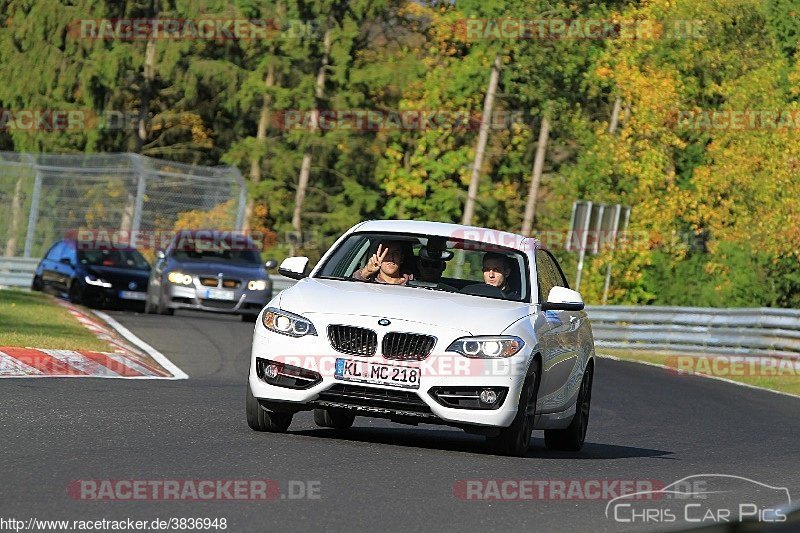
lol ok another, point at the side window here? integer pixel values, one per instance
(54, 254)
(545, 275)
(558, 274)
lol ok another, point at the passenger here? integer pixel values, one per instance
(385, 265)
(496, 270)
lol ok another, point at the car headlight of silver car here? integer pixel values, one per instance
(486, 347)
(257, 285)
(179, 278)
(287, 323)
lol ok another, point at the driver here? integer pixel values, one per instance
(385, 265)
(496, 270)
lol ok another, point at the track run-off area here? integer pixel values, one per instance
(75, 449)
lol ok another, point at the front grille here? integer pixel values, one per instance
(405, 346)
(353, 340)
(228, 283)
(357, 396)
(218, 304)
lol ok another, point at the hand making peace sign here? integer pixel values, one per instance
(374, 263)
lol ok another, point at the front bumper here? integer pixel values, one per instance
(95, 296)
(245, 301)
(440, 370)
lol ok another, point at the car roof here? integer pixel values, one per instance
(451, 231)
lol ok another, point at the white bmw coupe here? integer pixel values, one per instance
(432, 323)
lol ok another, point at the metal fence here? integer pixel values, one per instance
(698, 330)
(757, 332)
(44, 196)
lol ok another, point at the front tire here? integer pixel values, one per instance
(572, 438)
(163, 308)
(36, 284)
(75, 293)
(333, 418)
(149, 308)
(515, 439)
(261, 420)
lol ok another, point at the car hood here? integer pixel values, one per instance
(475, 314)
(212, 268)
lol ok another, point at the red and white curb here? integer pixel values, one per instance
(34, 362)
(131, 358)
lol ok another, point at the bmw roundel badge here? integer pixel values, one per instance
(132, 285)
(384, 322)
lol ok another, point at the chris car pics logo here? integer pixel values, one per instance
(703, 499)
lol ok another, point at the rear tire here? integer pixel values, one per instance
(333, 418)
(515, 439)
(261, 420)
(571, 439)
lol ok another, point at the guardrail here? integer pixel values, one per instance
(17, 271)
(730, 331)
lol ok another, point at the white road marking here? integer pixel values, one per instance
(160, 358)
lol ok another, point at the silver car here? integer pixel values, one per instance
(206, 275)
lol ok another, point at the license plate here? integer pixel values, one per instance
(219, 294)
(132, 295)
(376, 373)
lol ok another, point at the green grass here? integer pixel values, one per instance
(34, 320)
(784, 383)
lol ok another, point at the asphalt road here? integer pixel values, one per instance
(645, 424)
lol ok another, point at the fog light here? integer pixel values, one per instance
(488, 396)
(271, 371)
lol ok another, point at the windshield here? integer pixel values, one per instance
(432, 263)
(113, 258)
(217, 254)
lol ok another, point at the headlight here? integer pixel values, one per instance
(257, 285)
(180, 278)
(487, 347)
(287, 323)
(97, 282)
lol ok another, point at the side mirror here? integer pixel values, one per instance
(160, 254)
(563, 299)
(270, 264)
(294, 267)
